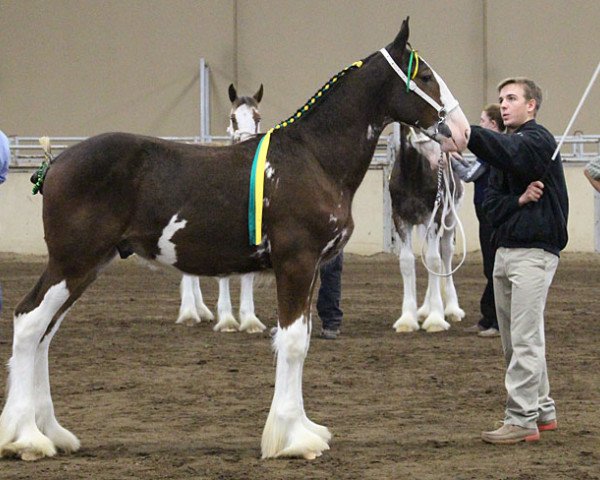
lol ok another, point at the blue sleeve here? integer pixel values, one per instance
(4, 157)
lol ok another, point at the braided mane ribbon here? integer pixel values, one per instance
(257, 184)
(257, 174)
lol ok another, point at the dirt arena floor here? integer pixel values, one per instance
(153, 400)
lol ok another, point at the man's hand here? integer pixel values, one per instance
(534, 192)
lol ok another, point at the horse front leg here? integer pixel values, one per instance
(226, 320)
(452, 312)
(408, 320)
(433, 305)
(288, 432)
(192, 309)
(249, 322)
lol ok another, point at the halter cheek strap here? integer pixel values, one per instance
(415, 88)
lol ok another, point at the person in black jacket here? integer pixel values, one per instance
(527, 205)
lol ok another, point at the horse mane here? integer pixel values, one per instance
(321, 94)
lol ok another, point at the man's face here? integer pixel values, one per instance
(515, 109)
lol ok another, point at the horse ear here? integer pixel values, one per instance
(258, 95)
(399, 42)
(232, 93)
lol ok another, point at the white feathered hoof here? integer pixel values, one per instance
(406, 324)
(251, 324)
(226, 323)
(454, 314)
(294, 438)
(63, 440)
(205, 313)
(435, 323)
(32, 448)
(188, 317)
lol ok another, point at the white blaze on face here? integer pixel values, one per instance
(167, 248)
(455, 119)
(246, 125)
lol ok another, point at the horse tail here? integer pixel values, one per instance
(39, 175)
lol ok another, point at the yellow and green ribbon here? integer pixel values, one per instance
(257, 173)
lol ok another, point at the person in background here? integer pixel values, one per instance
(330, 293)
(592, 173)
(479, 173)
(527, 205)
(4, 161)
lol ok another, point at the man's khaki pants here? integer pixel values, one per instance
(522, 277)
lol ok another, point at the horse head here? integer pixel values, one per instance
(244, 119)
(424, 147)
(442, 118)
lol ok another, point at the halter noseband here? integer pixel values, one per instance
(442, 111)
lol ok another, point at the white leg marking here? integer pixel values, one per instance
(288, 432)
(227, 322)
(192, 308)
(249, 322)
(433, 306)
(44, 408)
(167, 248)
(19, 434)
(408, 320)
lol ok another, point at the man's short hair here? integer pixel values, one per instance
(530, 89)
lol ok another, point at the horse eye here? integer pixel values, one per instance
(427, 77)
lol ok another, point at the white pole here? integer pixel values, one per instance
(585, 94)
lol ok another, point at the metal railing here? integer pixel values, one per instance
(26, 152)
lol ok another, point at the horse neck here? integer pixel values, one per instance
(343, 129)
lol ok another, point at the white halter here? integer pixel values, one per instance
(442, 110)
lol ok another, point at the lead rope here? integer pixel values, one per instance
(445, 196)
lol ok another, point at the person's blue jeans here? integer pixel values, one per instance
(330, 293)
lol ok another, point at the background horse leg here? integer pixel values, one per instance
(227, 322)
(192, 309)
(28, 427)
(433, 305)
(452, 312)
(288, 431)
(249, 322)
(408, 320)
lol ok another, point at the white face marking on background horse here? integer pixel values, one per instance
(247, 126)
(427, 147)
(167, 248)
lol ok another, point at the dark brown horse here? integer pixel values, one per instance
(187, 206)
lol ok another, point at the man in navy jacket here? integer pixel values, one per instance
(527, 205)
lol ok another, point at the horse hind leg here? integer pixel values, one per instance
(28, 427)
(249, 322)
(192, 309)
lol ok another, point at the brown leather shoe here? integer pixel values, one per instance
(509, 434)
(547, 426)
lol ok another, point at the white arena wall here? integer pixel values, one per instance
(21, 215)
